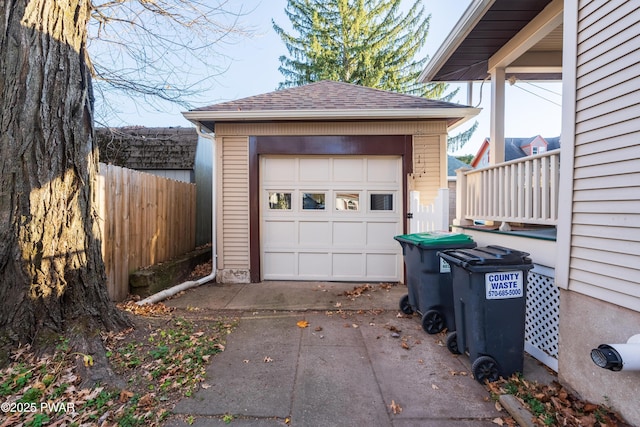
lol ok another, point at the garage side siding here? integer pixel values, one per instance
(431, 127)
(234, 246)
(426, 166)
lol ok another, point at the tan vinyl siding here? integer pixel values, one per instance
(427, 167)
(235, 203)
(605, 233)
(334, 128)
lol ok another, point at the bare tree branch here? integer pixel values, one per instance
(160, 50)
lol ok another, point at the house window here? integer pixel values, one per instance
(538, 150)
(381, 202)
(280, 201)
(347, 201)
(313, 201)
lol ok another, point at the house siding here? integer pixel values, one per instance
(605, 243)
(233, 205)
(233, 253)
(599, 223)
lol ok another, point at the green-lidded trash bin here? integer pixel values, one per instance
(429, 278)
(489, 293)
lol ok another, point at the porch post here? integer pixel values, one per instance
(496, 144)
(461, 198)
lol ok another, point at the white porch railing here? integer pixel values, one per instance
(433, 217)
(520, 191)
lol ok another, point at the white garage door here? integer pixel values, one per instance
(331, 218)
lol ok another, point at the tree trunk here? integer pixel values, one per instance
(52, 277)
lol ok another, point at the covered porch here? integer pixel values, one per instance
(512, 204)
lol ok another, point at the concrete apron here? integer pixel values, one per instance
(355, 363)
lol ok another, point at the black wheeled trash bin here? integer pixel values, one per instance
(429, 278)
(489, 292)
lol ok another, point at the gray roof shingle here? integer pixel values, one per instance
(329, 95)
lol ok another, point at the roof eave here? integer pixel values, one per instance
(476, 10)
(462, 113)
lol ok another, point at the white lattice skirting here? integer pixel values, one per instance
(542, 316)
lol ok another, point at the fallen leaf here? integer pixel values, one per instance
(125, 395)
(588, 407)
(395, 408)
(435, 387)
(147, 400)
(245, 361)
(405, 345)
(318, 328)
(88, 360)
(357, 291)
(267, 359)
(205, 386)
(498, 421)
(498, 406)
(302, 324)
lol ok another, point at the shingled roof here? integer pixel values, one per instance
(148, 148)
(330, 100)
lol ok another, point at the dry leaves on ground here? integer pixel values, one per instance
(364, 289)
(160, 361)
(395, 408)
(554, 405)
(201, 270)
(158, 309)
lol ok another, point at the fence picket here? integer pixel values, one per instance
(145, 219)
(433, 217)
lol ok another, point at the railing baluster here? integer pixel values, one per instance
(523, 190)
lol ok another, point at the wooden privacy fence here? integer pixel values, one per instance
(145, 219)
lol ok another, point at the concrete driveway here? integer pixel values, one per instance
(359, 362)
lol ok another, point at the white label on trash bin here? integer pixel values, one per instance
(504, 284)
(444, 266)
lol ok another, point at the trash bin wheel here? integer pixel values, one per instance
(405, 307)
(452, 342)
(432, 322)
(485, 368)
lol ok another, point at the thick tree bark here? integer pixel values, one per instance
(52, 277)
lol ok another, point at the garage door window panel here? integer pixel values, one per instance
(381, 202)
(313, 201)
(279, 201)
(348, 202)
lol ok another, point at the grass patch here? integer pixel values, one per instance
(161, 361)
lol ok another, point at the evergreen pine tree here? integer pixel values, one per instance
(369, 43)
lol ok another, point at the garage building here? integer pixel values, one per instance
(312, 182)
